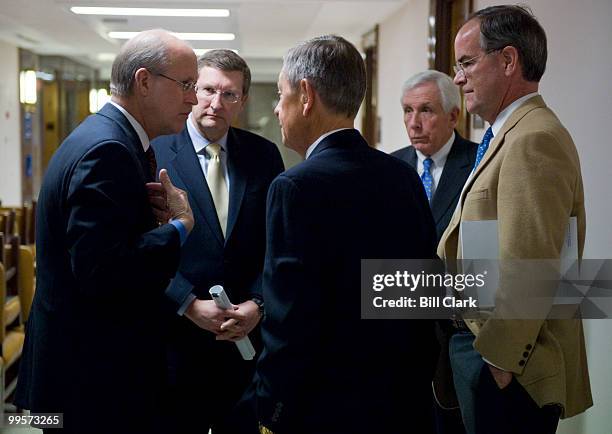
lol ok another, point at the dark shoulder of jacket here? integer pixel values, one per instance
(252, 139)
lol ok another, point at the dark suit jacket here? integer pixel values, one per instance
(323, 368)
(206, 258)
(457, 168)
(94, 337)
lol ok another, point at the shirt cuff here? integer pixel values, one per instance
(180, 227)
(486, 361)
(186, 303)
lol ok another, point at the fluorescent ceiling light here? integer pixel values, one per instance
(151, 12)
(106, 57)
(184, 36)
(200, 51)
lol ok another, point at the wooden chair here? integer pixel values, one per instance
(27, 280)
(9, 258)
(12, 344)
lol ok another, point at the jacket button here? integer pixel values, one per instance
(525, 354)
(522, 363)
(528, 347)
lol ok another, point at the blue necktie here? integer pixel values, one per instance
(482, 148)
(427, 178)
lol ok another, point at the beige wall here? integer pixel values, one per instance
(10, 127)
(402, 52)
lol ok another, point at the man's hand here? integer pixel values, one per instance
(206, 315)
(169, 202)
(502, 378)
(158, 201)
(240, 322)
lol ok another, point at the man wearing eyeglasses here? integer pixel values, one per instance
(94, 338)
(227, 172)
(516, 375)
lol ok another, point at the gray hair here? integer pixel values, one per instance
(334, 68)
(449, 91)
(514, 25)
(149, 49)
(227, 60)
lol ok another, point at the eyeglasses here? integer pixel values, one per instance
(185, 85)
(460, 67)
(227, 96)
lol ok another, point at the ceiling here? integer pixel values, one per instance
(264, 29)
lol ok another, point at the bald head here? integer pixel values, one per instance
(151, 49)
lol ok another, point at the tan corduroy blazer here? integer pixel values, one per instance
(530, 182)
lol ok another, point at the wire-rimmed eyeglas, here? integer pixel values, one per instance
(226, 95)
(186, 86)
(467, 64)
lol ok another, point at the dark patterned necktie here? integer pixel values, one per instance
(482, 148)
(150, 154)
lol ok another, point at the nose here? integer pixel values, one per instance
(414, 121)
(191, 97)
(276, 109)
(459, 79)
(215, 101)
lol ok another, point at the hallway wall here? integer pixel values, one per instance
(10, 126)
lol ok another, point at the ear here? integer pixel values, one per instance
(142, 81)
(307, 96)
(510, 58)
(243, 102)
(454, 116)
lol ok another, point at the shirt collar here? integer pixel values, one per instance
(505, 113)
(439, 158)
(142, 135)
(312, 147)
(197, 138)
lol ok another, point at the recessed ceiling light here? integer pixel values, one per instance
(106, 57)
(200, 51)
(150, 12)
(184, 36)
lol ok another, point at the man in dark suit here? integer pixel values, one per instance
(94, 347)
(225, 248)
(323, 368)
(442, 157)
(444, 160)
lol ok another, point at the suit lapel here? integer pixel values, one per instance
(494, 147)
(238, 173)
(457, 163)
(411, 157)
(187, 165)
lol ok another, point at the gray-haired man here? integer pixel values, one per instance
(323, 368)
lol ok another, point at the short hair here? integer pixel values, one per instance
(334, 68)
(450, 96)
(515, 25)
(149, 49)
(227, 60)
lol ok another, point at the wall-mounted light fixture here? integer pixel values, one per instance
(27, 87)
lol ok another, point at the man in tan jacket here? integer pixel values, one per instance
(516, 375)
